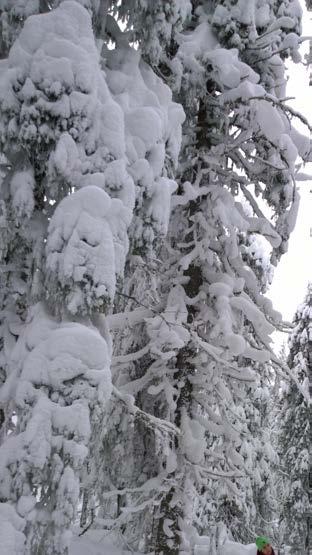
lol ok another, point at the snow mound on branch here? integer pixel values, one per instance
(86, 248)
(153, 139)
(193, 444)
(63, 387)
(200, 48)
(56, 61)
(56, 102)
(229, 69)
(11, 528)
(55, 355)
(151, 117)
(167, 332)
(21, 187)
(70, 351)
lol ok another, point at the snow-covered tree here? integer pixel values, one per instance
(153, 136)
(295, 434)
(63, 248)
(114, 219)
(206, 294)
(232, 153)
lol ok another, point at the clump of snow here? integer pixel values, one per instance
(166, 331)
(158, 207)
(229, 69)
(119, 184)
(268, 119)
(82, 260)
(22, 187)
(192, 441)
(153, 137)
(55, 71)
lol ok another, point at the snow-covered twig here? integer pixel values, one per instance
(131, 357)
(129, 319)
(215, 474)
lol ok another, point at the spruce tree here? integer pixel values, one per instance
(63, 248)
(295, 434)
(222, 319)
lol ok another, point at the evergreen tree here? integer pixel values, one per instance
(221, 316)
(153, 134)
(63, 247)
(295, 434)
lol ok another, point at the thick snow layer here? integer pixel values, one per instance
(230, 70)
(69, 352)
(192, 444)
(153, 136)
(97, 542)
(151, 117)
(231, 548)
(87, 246)
(62, 383)
(200, 46)
(11, 527)
(51, 355)
(56, 57)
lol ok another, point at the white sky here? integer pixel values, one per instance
(295, 268)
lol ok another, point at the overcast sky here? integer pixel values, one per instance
(295, 268)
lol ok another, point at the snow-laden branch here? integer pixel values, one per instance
(148, 486)
(131, 357)
(285, 108)
(150, 421)
(216, 474)
(286, 370)
(129, 319)
(228, 369)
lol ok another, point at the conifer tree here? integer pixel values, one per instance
(63, 248)
(204, 131)
(211, 253)
(295, 434)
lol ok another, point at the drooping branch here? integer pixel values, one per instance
(152, 422)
